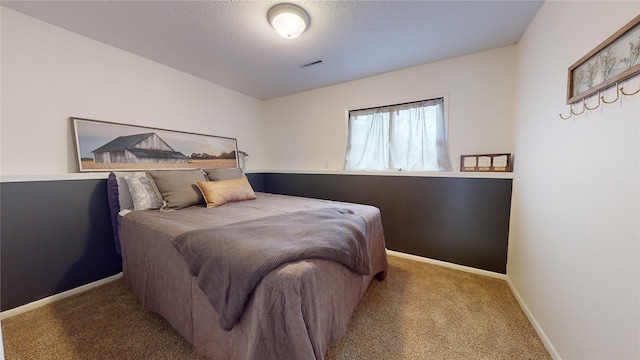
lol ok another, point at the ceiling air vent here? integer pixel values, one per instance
(310, 64)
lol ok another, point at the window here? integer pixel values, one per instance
(408, 136)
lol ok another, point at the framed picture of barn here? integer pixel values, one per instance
(108, 146)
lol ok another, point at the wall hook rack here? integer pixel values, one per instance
(601, 100)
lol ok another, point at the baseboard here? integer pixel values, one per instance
(448, 265)
(56, 297)
(543, 337)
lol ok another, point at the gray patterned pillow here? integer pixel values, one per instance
(143, 193)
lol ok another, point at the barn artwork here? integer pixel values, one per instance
(138, 148)
(107, 146)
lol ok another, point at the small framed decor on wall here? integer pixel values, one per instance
(107, 146)
(486, 162)
(614, 60)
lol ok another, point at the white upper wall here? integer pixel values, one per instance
(50, 74)
(574, 254)
(308, 131)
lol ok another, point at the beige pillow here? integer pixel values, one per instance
(176, 187)
(218, 174)
(220, 192)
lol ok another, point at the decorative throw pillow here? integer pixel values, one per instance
(124, 194)
(143, 193)
(177, 187)
(114, 207)
(218, 193)
(223, 173)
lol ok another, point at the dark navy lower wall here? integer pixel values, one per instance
(459, 220)
(56, 235)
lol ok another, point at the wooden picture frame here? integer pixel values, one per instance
(108, 146)
(486, 163)
(614, 60)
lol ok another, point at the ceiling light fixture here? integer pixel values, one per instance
(289, 20)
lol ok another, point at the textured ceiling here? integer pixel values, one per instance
(230, 42)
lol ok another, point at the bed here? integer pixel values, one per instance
(296, 311)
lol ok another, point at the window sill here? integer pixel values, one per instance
(449, 174)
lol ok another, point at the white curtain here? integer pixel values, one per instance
(403, 137)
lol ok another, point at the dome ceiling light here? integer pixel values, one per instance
(289, 20)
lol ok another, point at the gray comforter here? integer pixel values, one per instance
(230, 260)
(296, 311)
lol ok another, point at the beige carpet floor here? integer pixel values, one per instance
(421, 311)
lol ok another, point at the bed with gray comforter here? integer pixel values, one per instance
(277, 277)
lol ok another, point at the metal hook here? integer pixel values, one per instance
(584, 108)
(597, 106)
(614, 100)
(629, 94)
(568, 117)
(571, 113)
